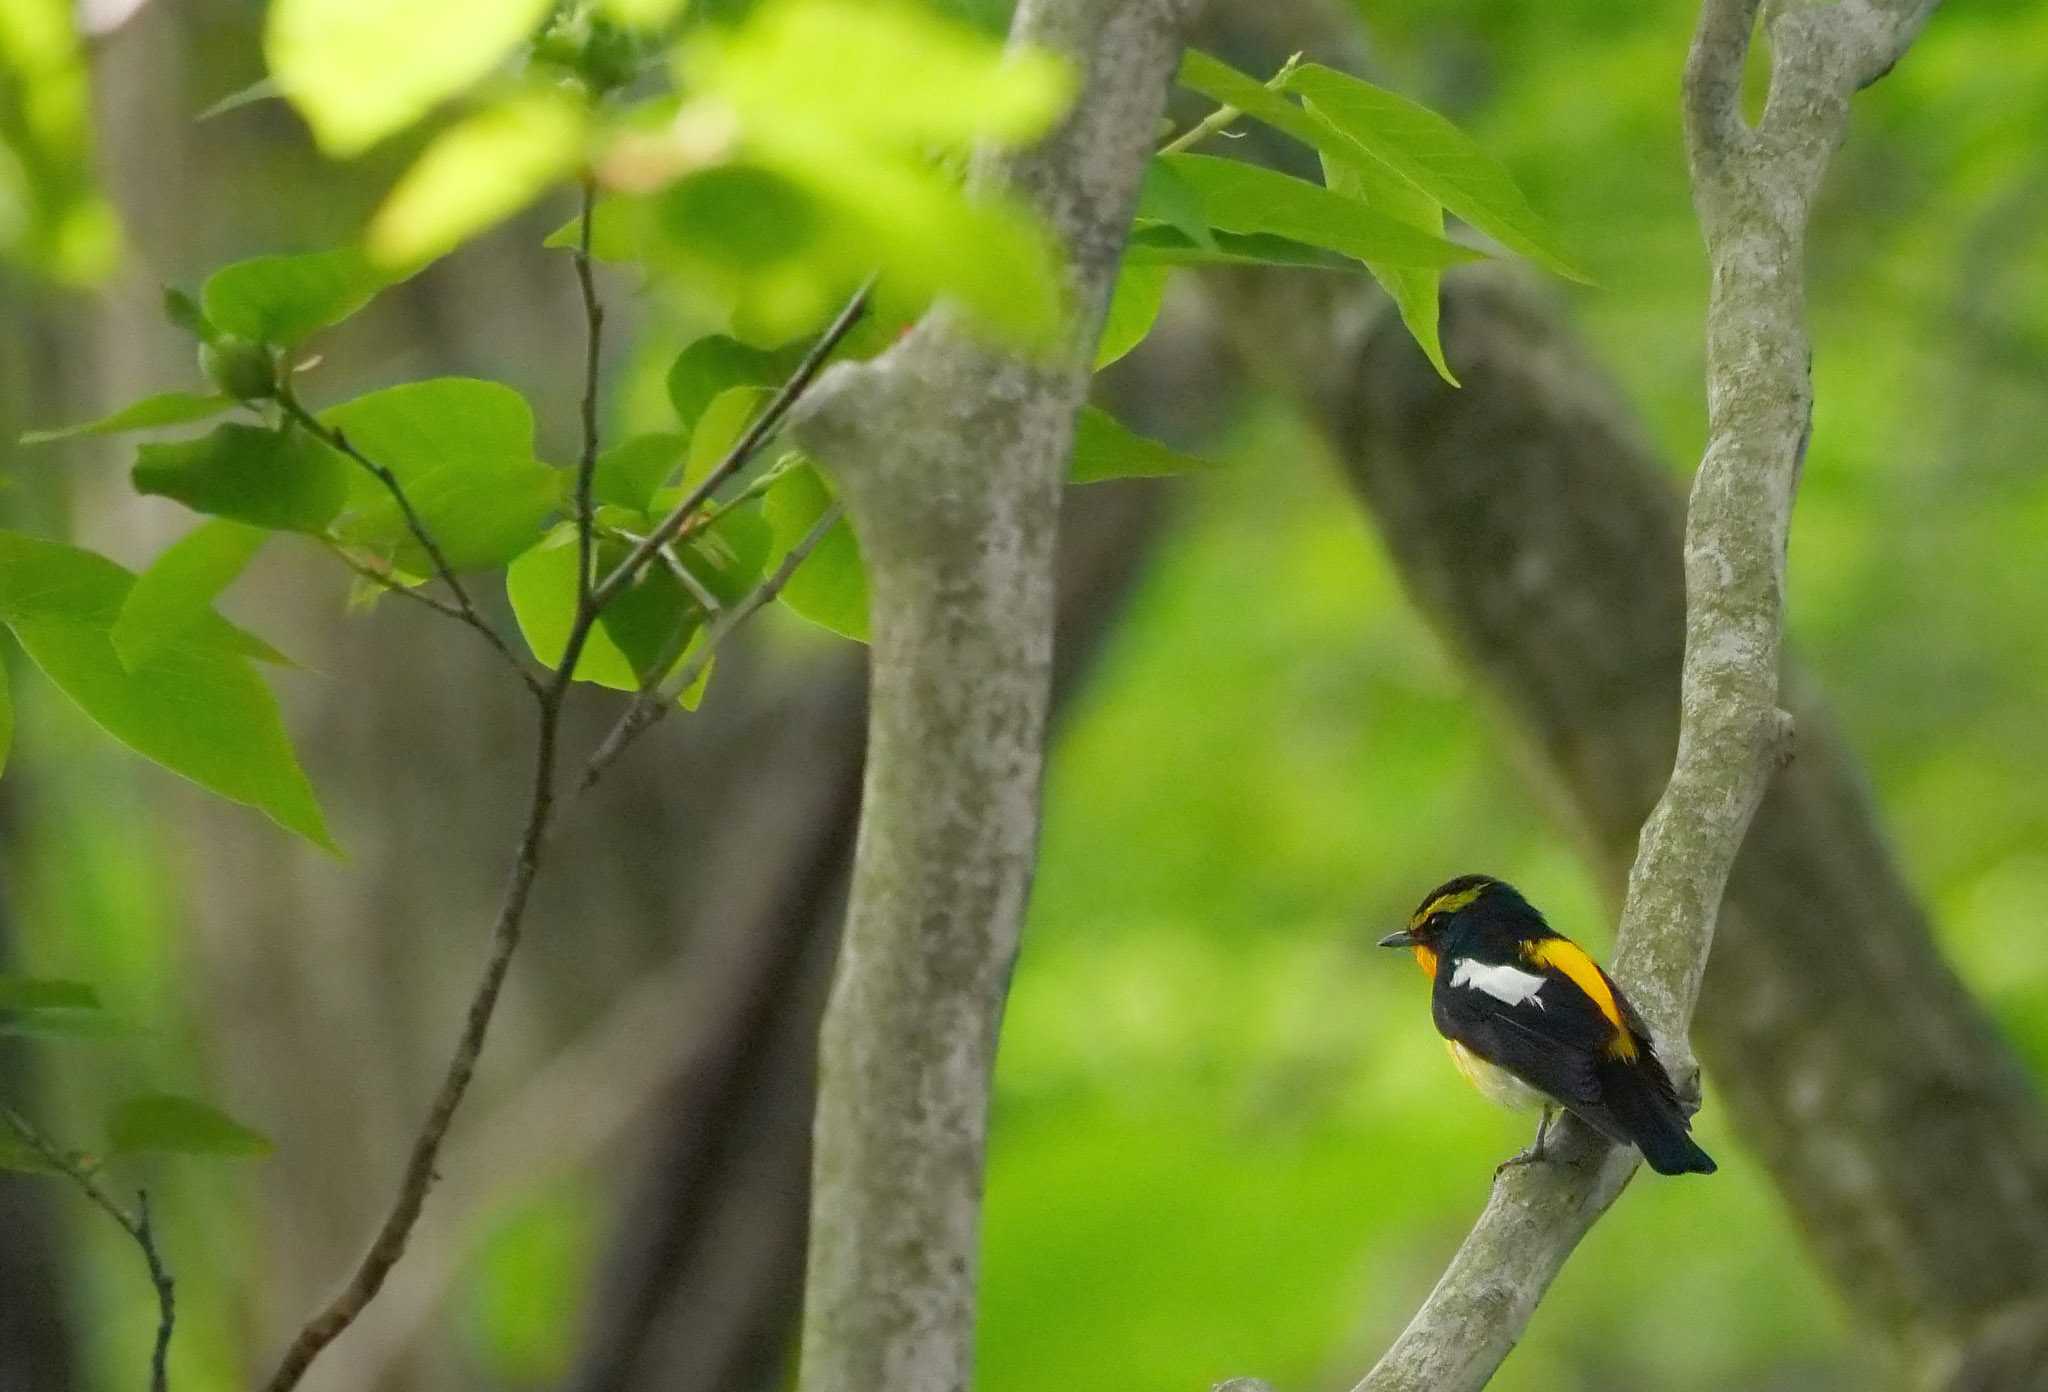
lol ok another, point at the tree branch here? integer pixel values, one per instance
(1754, 192)
(137, 1225)
(950, 457)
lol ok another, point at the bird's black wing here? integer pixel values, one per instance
(1553, 1046)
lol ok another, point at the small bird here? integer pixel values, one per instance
(1531, 1020)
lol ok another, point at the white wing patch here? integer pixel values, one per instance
(1504, 983)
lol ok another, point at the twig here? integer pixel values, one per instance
(743, 449)
(440, 606)
(586, 464)
(1223, 116)
(658, 696)
(1754, 189)
(136, 1225)
(465, 610)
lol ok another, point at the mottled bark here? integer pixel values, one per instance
(1533, 525)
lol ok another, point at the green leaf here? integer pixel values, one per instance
(1240, 197)
(1226, 86)
(629, 473)
(1166, 197)
(803, 73)
(359, 70)
(6, 713)
(477, 172)
(262, 89)
(715, 363)
(462, 449)
(631, 634)
(283, 479)
(640, 14)
(720, 427)
(1416, 292)
(622, 230)
(165, 408)
(34, 993)
(179, 1125)
(1436, 157)
(1104, 449)
(1133, 309)
(1156, 245)
(198, 707)
(179, 588)
(831, 587)
(282, 299)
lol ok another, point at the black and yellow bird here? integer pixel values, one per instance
(1531, 1020)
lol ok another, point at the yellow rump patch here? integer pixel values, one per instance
(1445, 903)
(1571, 959)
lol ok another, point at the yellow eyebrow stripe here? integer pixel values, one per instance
(1571, 959)
(1445, 903)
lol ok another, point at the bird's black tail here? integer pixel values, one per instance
(1650, 1115)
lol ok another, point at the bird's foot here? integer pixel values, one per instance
(1532, 1154)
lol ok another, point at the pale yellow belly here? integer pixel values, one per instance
(1495, 1084)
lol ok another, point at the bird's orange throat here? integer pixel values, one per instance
(1426, 959)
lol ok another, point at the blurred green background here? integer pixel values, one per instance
(1227, 1140)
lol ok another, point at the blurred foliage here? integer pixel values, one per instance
(1227, 1140)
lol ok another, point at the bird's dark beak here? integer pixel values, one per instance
(1404, 938)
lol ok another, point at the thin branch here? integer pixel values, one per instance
(137, 1225)
(743, 449)
(465, 610)
(447, 609)
(1754, 191)
(586, 464)
(658, 696)
(1223, 117)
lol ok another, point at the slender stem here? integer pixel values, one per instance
(742, 450)
(1223, 116)
(466, 610)
(136, 1225)
(586, 465)
(656, 697)
(442, 607)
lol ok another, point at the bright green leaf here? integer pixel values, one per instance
(477, 172)
(463, 451)
(629, 473)
(1416, 291)
(640, 14)
(622, 230)
(165, 408)
(269, 478)
(359, 70)
(282, 299)
(1226, 86)
(804, 73)
(1437, 158)
(34, 993)
(1104, 449)
(1166, 197)
(717, 362)
(831, 587)
(1133, 309)
(634, 631)
(179, 588)
(53, 217)
(1239, 197)
(198, 707)
(180, 1125)
(1158, 245)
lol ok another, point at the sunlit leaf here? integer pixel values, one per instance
(475, 173)
(804, 72)
(831, 587)
(641, 14)
(179, 588)
(462, 449)
(165, 408)
(268, 478)
(1159, 245)
(180, 1125)
(197, 707)
(635, 630)
(720, 426)
(622, 230)
(282, 299)
(1166, 197)
(1437, 158)
(1104, 449)
(1133, 308)
(359, 70)
(1416, 291)
(1239, 197)
(1226, 86)
(53, 217)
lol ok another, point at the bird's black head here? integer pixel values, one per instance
(1452, 907)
